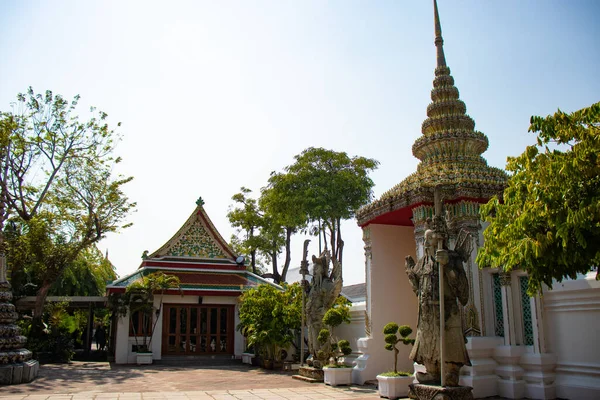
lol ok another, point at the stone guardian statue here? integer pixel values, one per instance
(424, 278)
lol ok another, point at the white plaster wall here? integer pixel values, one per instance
(124, 343)
(572, 317)
(391, 296)
(354, 330)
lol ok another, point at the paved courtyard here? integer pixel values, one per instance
(105, 381)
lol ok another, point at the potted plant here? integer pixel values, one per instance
(333, 350)
(138, 300)
(394, 384)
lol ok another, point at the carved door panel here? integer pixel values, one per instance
(197, 329)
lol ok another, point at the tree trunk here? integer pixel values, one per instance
(276, 276)
(37, 323)
(340, 242)
(253, 261)
(288, 253)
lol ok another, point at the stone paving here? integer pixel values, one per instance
(104, 381)
(175, 381)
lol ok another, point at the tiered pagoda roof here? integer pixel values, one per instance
(198, 255)
(450, 152)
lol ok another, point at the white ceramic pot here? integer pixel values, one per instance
(144, 358)
(337, 376)
(394, 387)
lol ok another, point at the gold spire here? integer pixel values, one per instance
(439, 42)
(449, 150)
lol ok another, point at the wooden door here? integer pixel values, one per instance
(197, 329)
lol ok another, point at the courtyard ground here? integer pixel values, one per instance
(107, 381)
(174, 381)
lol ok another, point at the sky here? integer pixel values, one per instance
(214, 95)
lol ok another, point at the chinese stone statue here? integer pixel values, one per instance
(424, 278)
(323, 290)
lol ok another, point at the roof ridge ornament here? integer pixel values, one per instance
(200, 202)
(439, 41)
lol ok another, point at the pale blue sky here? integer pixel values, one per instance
(213, 95)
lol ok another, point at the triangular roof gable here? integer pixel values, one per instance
(197, 238)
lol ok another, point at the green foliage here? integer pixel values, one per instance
(56, 340)
(56, 175)
(248, 219)
(29, 243)
(269, 317)
(391, 374)
(332, 348)
(549, 221)
(322, 186)
(139, 298)
(390, 330)
(336, 316)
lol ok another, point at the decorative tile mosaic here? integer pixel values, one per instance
(498, 314)
(526, 307)
(196, 242)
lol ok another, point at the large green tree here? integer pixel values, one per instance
(56, 179)
(548, 223)
(328, 187)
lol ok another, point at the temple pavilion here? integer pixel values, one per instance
(201, 319)
(519, 346)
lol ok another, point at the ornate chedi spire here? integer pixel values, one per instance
(449, 149)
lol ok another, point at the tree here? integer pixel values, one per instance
(549, 221)
(284, 206)
(248, 219)
(269, 317)
(85, 276)
(56, 178)
(329, 187)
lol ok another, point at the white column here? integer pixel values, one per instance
(539, 366)
(511, 384)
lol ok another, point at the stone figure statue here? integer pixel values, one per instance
(323, 290)
(424, 278)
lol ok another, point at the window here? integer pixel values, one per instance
(140, 324)
(498, 314)
(526, 312)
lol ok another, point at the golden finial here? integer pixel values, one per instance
(439, 42)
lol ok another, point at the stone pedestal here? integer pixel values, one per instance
(13, 357)
(511, 384)
(481, 375)
(310, 374)
(539, 375)
(429, 392)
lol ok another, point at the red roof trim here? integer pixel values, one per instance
(191, 265)
(189, 292)
(403, 216)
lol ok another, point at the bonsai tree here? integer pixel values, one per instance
(139, 298)
(391, 340)
(332, 348)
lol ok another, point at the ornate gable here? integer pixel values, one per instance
(197, 238)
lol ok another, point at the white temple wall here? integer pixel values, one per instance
(572, 315)
(390, 297)
(353, 331)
